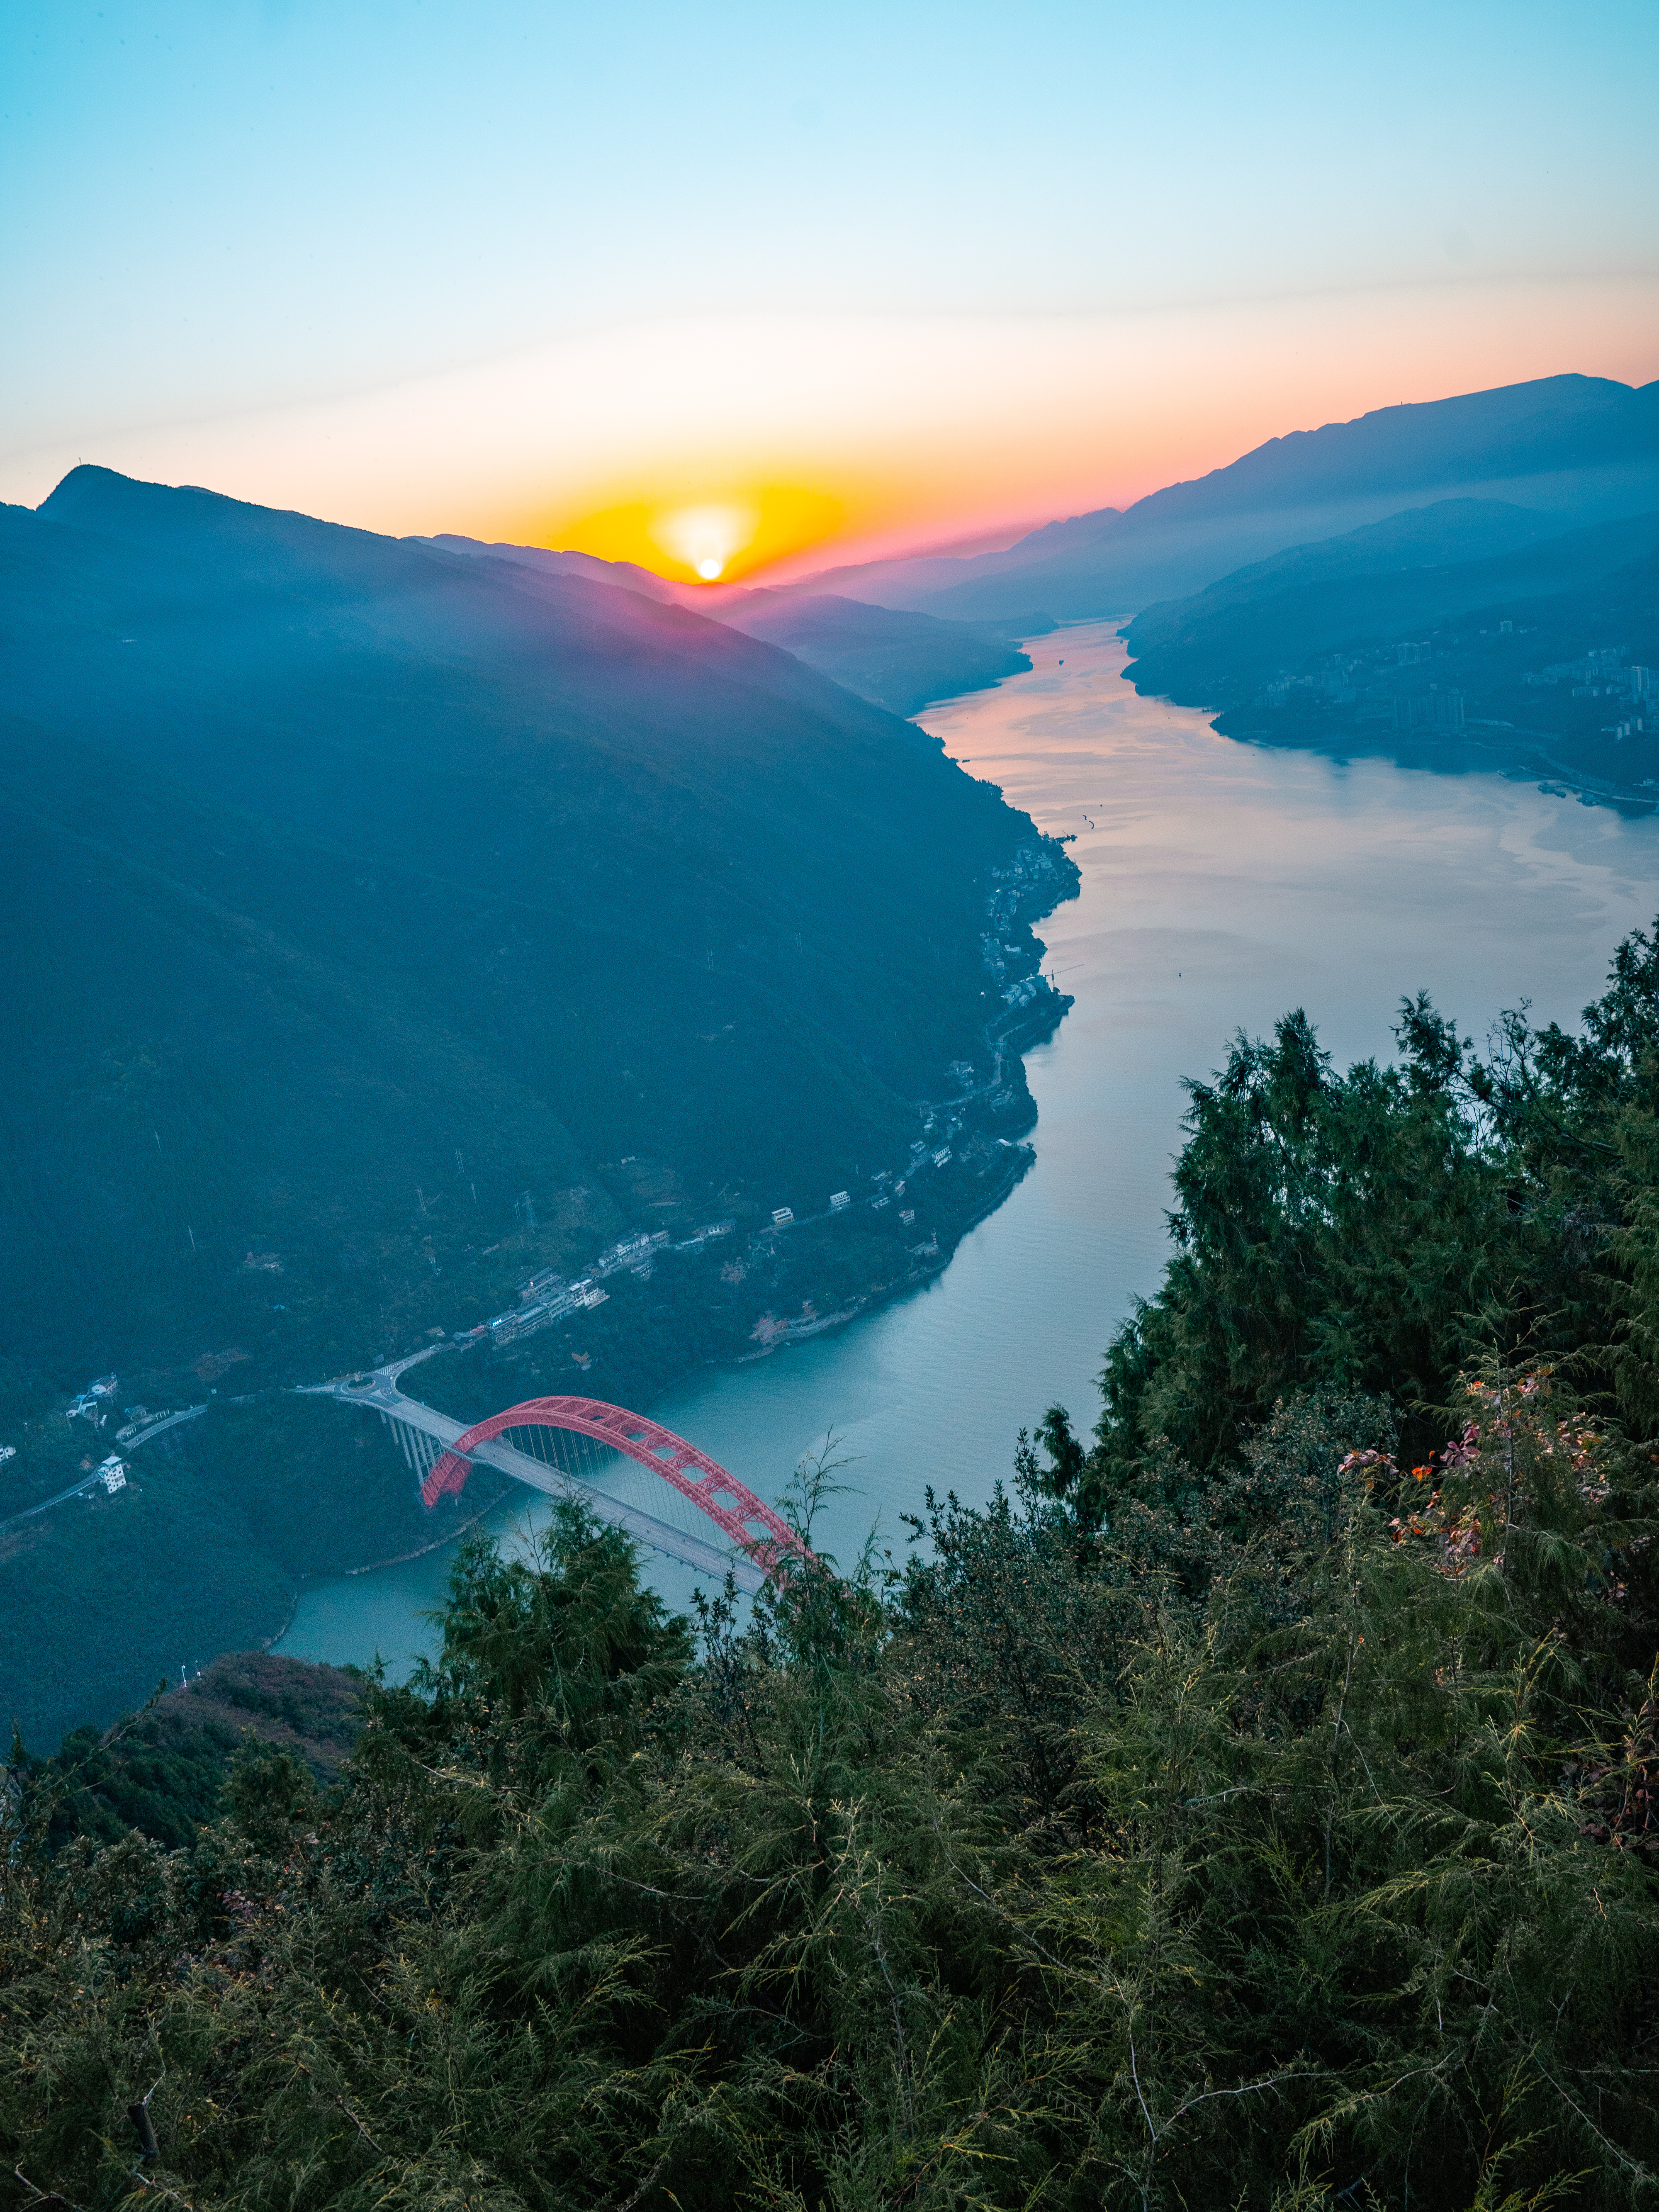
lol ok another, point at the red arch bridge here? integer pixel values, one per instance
(627, 1468)
(729, 1504)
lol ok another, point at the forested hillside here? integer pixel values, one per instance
(382, 926)
(1254, 1805)
(335, 857)
(1536, 659)
(1407, 576)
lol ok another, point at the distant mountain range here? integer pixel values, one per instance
(894, 658)
(1580, 449)
(1385, 582)
(1492, 471)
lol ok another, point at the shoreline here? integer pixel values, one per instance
(402, 1559)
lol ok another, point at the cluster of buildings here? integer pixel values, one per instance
(1030, 867)
(1331, 682)
(887, 1188)
(1602, 675)
(1430, 710)
(141, 1421)
(1598, 675)
(540, 1309)
(1339, 678)
(92, 1404)
(710, 1233)
(548, 1297)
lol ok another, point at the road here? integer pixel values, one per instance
(381, 1391)
(88, 1481)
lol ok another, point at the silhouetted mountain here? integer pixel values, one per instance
(334, 856)
(381, 926)
(895, 659)
(626, 573)
(1579, 448)
(1211, 649)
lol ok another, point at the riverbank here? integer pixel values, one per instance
(1221, 882)
(1519, 755)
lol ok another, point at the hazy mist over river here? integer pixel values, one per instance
(1223, 885)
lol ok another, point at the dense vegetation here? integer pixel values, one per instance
(1254, 1807)
(202, 1551)
(1315, 645)
(164, 1771)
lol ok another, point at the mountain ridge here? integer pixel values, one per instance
(893, 657)
(1585, 448)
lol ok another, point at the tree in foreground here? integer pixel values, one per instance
(1252, 1805)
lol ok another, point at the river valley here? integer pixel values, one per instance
(1223, 885)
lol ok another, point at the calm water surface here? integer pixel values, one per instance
(1222, 885)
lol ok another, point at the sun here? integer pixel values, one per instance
(708, 534)
(705, 539)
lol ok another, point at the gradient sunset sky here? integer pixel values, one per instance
(854, 278)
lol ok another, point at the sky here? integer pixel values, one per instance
(762, 286)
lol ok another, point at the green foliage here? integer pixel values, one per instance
(200, 1553)
(1039, 1876)
(169, 1769)
(1334, 1230)
(1255, 1809)
(1374, 1232)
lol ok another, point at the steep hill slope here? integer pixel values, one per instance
(894, 658)
(1320, 598)
(381, 926)
(334, 858)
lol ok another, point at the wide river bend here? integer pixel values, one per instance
(1223, 885)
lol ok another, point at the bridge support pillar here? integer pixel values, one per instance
(419, 1449)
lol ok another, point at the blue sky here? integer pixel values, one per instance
(215, 210)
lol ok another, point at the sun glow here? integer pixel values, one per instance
(705, 539)
(702, 535)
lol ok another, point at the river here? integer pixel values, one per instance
(1222, 885)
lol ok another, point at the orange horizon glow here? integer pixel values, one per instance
(705, 533)
(804, 443)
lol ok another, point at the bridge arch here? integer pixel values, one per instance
(729, 1504)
